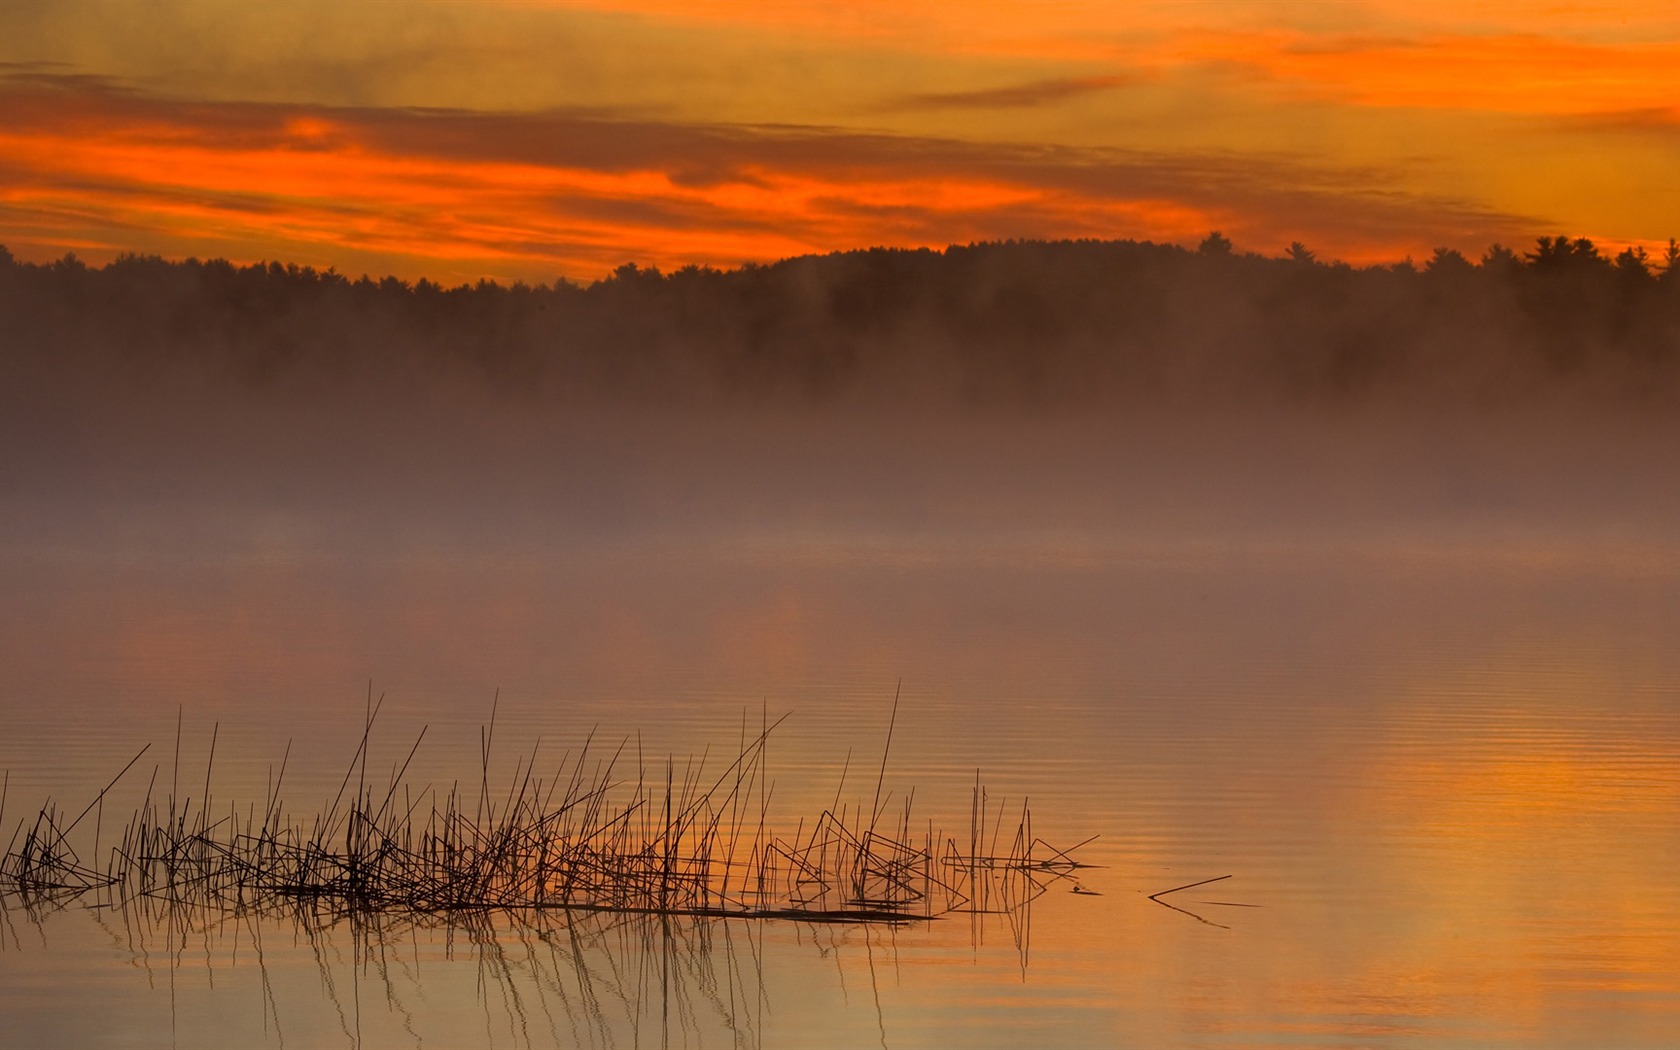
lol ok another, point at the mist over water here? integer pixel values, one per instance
(1391, 646)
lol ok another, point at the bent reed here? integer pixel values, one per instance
(683, 843)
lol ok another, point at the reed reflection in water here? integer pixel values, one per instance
(300, 977)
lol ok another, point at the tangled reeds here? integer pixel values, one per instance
(681, 842)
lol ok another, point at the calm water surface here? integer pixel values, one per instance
(1434, 742)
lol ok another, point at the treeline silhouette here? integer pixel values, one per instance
(1025, 322)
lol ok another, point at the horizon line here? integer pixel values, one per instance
(1607, 251)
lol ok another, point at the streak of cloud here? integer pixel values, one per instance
(1015, 96)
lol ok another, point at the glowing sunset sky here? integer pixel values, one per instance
(533, 140)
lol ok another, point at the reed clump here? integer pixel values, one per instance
(589, 837)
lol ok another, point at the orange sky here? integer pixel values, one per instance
(535, 140)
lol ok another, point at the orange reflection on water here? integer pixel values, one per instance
(1530, 836)
(1495, 858)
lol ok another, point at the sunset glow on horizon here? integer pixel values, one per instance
(538, 140)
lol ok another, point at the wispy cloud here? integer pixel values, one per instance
(1505, 72)
(1014, 96)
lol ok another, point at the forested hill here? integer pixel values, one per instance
(1032, 323)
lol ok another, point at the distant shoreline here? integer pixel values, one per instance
(1028, 323)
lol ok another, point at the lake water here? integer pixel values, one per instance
(1414, 688)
